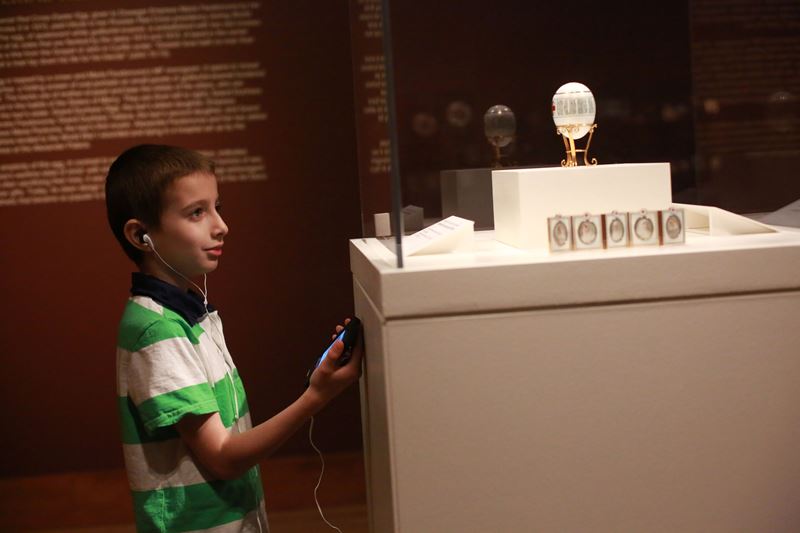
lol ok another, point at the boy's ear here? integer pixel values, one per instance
(134, 232)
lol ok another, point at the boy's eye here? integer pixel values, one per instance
(197, 212)
(218, 207)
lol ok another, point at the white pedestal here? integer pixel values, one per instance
(649, 389)
(523, 199)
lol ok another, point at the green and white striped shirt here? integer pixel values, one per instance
(172, 361)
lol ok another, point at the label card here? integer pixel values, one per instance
(447, 235)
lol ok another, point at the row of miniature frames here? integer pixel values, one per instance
(616, 230)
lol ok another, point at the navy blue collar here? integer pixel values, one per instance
(188, 304)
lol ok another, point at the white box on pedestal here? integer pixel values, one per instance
(524, 199)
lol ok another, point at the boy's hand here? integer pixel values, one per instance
(329, 379)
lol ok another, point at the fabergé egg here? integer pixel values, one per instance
(573, 105)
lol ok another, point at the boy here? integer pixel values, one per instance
(190, 450)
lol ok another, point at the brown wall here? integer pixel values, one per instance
(284, 281)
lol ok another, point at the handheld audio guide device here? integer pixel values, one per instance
(349, 337)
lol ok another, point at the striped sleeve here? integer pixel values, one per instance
(165, 378)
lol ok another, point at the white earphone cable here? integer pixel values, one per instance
(149, 241)
(322, 472)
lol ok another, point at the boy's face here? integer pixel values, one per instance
(192, 230)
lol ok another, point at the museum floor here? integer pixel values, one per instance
(99, 502)
(350, 519)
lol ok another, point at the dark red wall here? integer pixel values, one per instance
(283, 283)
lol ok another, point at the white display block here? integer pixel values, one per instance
(524, 199)
(383, 226)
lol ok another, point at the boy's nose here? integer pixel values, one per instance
(220, 228)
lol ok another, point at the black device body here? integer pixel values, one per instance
(349, 337)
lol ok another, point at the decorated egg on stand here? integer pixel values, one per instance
(573, 109)
(573, 113)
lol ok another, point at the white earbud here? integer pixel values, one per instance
(147, 240)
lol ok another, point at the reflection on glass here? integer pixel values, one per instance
(459, 114)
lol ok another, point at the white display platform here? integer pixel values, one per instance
(497, 276)
(649, 389)
(524, 199)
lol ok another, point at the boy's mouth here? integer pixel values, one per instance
(216, 250)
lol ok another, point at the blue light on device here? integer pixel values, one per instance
(325, 353)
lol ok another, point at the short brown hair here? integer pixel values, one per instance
(136, 183)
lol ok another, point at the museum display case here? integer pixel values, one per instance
(598, 333)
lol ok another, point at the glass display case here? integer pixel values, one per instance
(709, 86)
